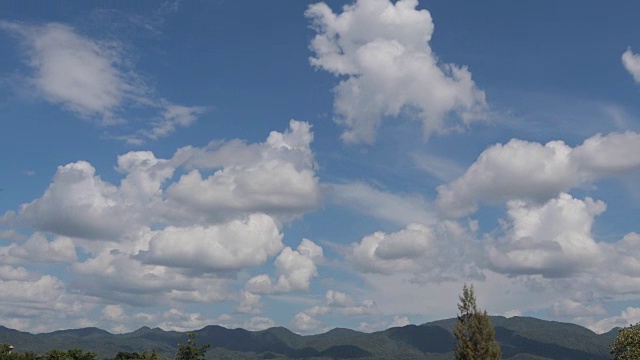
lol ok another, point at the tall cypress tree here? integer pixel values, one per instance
(474, 332)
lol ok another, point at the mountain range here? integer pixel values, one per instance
(521, 338)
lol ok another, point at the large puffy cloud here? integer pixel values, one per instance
(438, 252)
(294, 270)
(103, 275)
(382, 48)
(116, 274)
(543, 248)
(248, 303)
(553, 243)
(347, 305)
(608, 155)
(231, 246)
(37, 249)
(145, 175)
(547, 233)
(152, 240)
(94, 79)
(78, 203)
(45, 289)
(268, 186)
(532, 171)
(553, 239)
(35, 302)
(305, 323)
(292, 145)
(8, 272)
(621, 273)
(277, 176)
(387, 253)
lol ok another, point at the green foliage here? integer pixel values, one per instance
(122, 355)
(190, 350)
(474, 332)
(627, 344)
(145, 355)
(77, 354)
(5, 348)
(71, 354)
(29, 355)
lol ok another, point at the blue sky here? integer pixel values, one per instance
(313, 165)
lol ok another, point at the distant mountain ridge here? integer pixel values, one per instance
(521, 338)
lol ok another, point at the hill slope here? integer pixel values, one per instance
(521, 338)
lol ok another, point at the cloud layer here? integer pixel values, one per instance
(172, 231)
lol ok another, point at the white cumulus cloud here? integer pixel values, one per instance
(553, 239)
(631, 63)
(305, 323)
(294, 270)
(532, 171)
(381, 50)
(150, 239)
(248, 303)
(230, 246)
(276, 176)
(37, 249)
(442, 251)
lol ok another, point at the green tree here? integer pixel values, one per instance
(474, 333)
(627, 344)
(153, 355)
(29, 355)
(57, 355)
(6, 353)
(190, 350)
(123, 355)
(71, 354)
(77, 354)
(145, 355)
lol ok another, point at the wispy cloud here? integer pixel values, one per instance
(399, 209)
(96, 80)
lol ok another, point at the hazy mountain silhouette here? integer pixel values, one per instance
(521, 338)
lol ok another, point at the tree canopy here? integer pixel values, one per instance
(474, 331)
(191, 350)
(627, 344)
